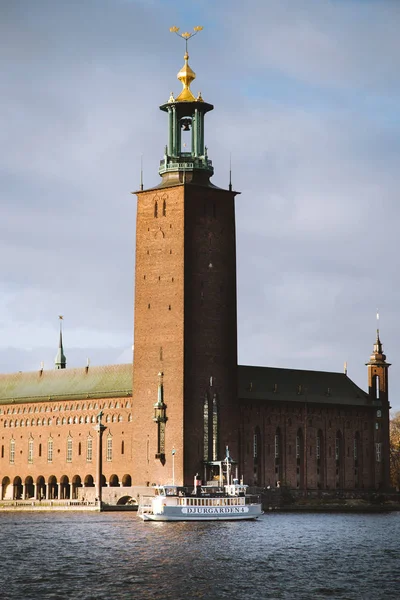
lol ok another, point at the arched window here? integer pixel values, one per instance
(40, 450)
(69, 449)
(215, 427)
(277, 446)
(12, 451)
(277, 455)
(164, 208)
(156, 209)
(30, 451)
(89, 449)
(109, 448)
(377, 386)
(50, 450)
(299, 459)
(338, 459)
(319, 453)
(206, 428)
(257, 456)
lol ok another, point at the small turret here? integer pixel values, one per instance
(378, 358)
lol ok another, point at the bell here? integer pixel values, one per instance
(186, 125)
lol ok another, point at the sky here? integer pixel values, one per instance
(306, 97)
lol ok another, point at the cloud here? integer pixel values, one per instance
(305, 97)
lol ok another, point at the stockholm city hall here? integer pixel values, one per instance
(84, 432)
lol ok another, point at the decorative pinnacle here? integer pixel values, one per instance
(186, 35)
(186, 75)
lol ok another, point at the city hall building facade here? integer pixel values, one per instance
(172, 414)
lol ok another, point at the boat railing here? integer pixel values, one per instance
(253, 499)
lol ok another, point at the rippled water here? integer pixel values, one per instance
(115, 556)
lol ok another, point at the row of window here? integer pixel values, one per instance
(69, 449)
(63, 421)
(299, 444)
(60, 407)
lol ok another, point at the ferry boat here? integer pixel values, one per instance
(211, 502)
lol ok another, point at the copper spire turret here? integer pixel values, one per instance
(60, 360)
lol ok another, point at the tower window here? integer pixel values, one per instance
(69, 449)
(378, 451)
(50, 450)
(164, 209)
(215, 427)
(156, 209)
(277, 445)
(109, 449)
(206, 427)
(12, 451)
(30, 451)
(89, 449)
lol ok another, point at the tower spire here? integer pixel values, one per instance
(60, 361)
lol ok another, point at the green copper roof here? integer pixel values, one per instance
(295, 385)
(110, 381)
(115, 381)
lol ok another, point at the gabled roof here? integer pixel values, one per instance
(109, 381)
(295, 385)
(115, 381)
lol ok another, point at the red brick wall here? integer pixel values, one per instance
(119, 409)
(310, 419)
(192, 317)
(159, 332)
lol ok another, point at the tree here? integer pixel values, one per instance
(395, 450)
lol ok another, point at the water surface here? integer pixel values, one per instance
(117, 556)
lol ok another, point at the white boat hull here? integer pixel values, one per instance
(172, 513)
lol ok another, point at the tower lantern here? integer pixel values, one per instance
(186, 114)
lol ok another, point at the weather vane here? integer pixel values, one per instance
(186, 35)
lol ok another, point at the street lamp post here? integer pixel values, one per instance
(100, 428)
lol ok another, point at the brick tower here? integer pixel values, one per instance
(185, 357)
(378, 371)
